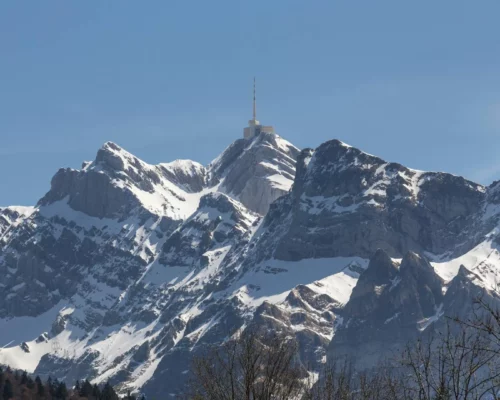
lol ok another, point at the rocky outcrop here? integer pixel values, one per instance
(381, 271)
(388, 307)
(142, 352)
(306, 315)
(462, 293)
(256, 172)
(68, 369)
(345, 202)
(117, 184)
(92, 193)
(218, 220)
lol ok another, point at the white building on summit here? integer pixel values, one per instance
(254, 127)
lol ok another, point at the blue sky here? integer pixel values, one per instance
(417, 82)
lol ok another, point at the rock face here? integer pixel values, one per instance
(219, 219)
(128, 270)
(346, 202)
(117, 183)
(256, 173)
(390, 305)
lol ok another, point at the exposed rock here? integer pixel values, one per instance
(136, 268)
(228, 221)
(58, 325)
(256, 172)
(388, 307)
(66, 368)
(142, 352)
(345, 202)
(44, 337)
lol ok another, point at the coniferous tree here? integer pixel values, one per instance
(108, 393)
(8, 392)
(40, 389)
(55, 386)
(77, 386)
(24, 378)
(96, 392)
(61, 391)
(86, 389)
(30, 384)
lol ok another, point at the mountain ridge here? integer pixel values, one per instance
(124, 270)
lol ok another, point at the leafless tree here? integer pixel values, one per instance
(460, 362)
(456, 366)
(249, 367)
(485, 319)
(344, 383)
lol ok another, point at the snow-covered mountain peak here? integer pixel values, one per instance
(110, 155)
(341, 178)
(220, 165)
(256, 171)
(118, 184)
(120, 164)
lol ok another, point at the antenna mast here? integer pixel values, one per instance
(254, 102)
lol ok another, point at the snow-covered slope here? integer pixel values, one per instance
(117, 183)
(125, 270)
(189, 175)
(10, 217)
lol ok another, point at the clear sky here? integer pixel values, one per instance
(417, 82)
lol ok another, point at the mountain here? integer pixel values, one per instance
(256, 174)
(125, 270)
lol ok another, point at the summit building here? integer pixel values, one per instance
(254, 127)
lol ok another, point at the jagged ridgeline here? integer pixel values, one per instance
(124, 270)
